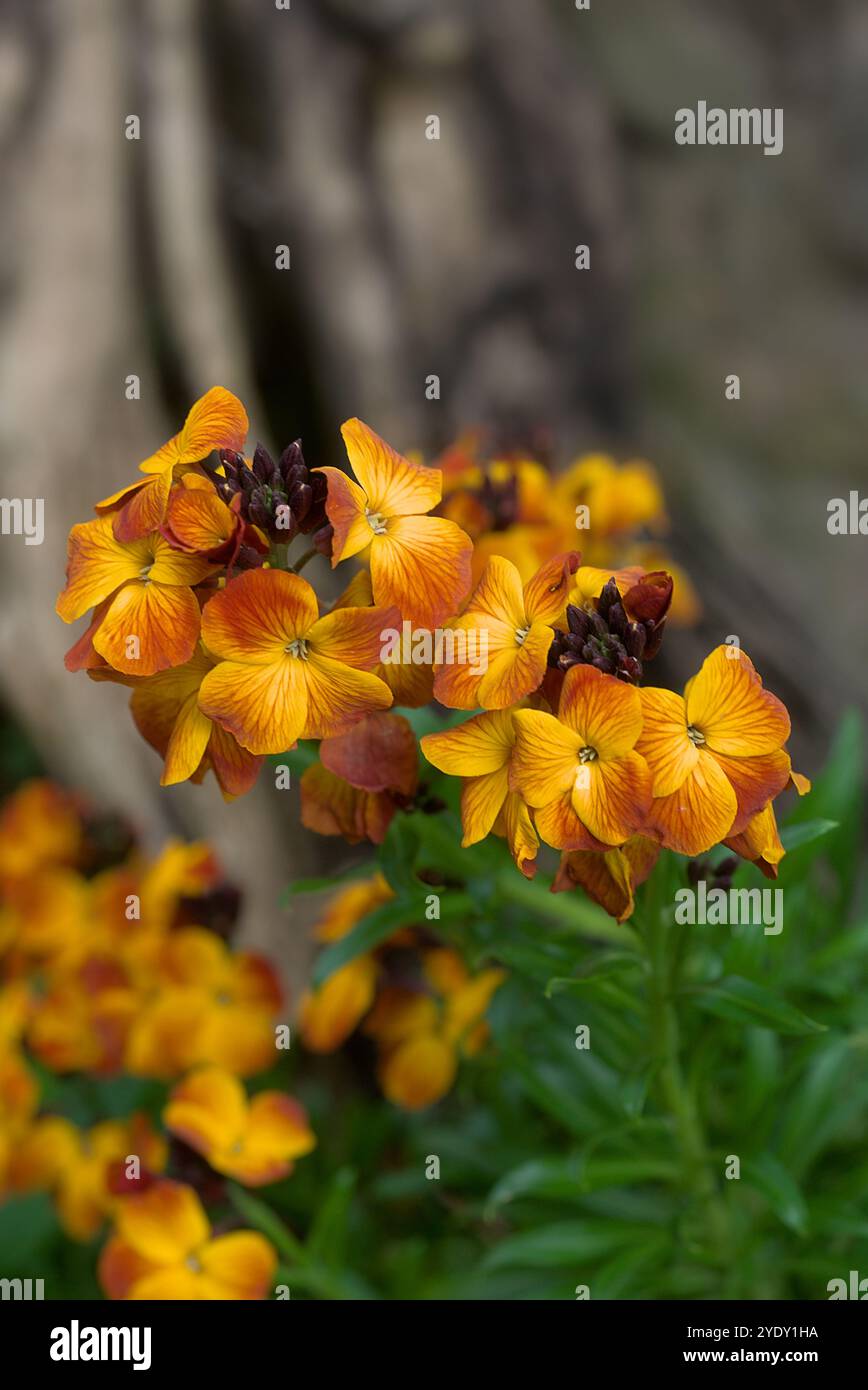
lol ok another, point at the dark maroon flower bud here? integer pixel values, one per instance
(263, 465)
(634, 639)
(617, 619)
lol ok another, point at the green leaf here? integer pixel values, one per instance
(327, 1239)
(805, 832)
(566, 1243)
(595, 982)
(260, 1215)
(744, 1001)
(319, 883)
(370, 932)
(569, 1178)
(397, 856)
(768, 1176)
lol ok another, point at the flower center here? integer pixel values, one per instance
(145, 571)
(376, 522)
(297, 647)
(520, 634)
(588, 755)
(695, 736)
(192, 1263)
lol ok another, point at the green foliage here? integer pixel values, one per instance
(606, 1165)
(713, 1049)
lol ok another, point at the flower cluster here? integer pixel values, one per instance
(112, 963)
(412, 996)
(116, 965)
(468, 592)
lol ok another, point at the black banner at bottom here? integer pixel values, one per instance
(153, 1338)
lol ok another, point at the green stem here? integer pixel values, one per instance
(303, 559)
(665, 946)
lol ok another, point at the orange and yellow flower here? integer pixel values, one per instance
(75, 1165)
(330, 1013)
(480, 752)
(581, 772)
(147, 613)
(286, 673)
(254, 1141)
(609, 878)
(418, 563)
(423, 1035)
(716, 753)
(208, 1005)
(513, 624)
(218, 420)
(163, 1248)
(165, 710)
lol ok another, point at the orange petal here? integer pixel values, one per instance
(664, 742)
(329, 1015)
(727, 703)
(176, 1284)
(165, 1223)
(418, 1072)
(353, 635)
(394, 486)
(516, 825)
(330, 806)
(145, 509)
(477, 746)
(243, 1264)
(613, 800)
(760, 842)
(589, 582)
(199, 520)
(165, 621)
(187, 743)
(238, 1037)
(517, 672)
(546, 756)
(338, 696)
(610, 879)
(421, 565)
(121, 1267)
(499, 594)
(412, 686)
(117, 499)
(604, 712)
(479, 641)
(158, 700)
(378, 754)
(236, 770)
(97, 565)
(82, 655)
(278, 1127)
(264, 708)
(346, 509)
(208, 1110)
(257, 616)
(559, 826)
(217, 420)
(547, 594)
(699, 814)
(482, 800)
(755, 781)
